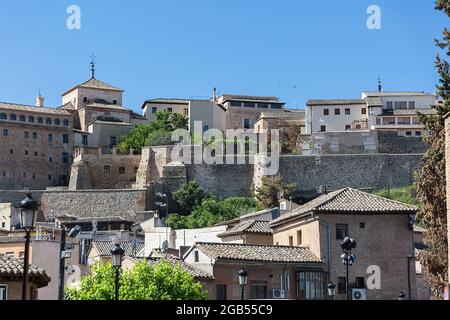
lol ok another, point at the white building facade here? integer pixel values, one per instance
(380, 111)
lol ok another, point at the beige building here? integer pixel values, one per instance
(385, 246)
(244, 111)
(274, 272)
(249, 232)
(44, 252)
(100, 118)
(211, 114)
(11, 271)
(37, 146)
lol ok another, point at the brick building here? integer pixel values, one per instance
(36, 144)
(380, 228)
(274, 272)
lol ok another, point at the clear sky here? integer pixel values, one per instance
(165, 48)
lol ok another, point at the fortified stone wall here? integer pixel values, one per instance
(375, 171)
(391, 142)
(103, 171)
(86, 203)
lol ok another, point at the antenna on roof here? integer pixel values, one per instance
(93, 57)
(380, 87)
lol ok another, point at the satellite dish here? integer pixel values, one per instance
(165, 246)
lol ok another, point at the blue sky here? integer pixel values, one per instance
(165, 48)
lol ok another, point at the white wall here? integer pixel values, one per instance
(210, 114)
(91, 94)
(316, 117)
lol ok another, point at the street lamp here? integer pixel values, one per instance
(64, 254)
(243, 278)
(331, 290)
(116, 257)
(348, 259)
(27, 209)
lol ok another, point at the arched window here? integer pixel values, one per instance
(31, 119)
(22, 118)
(40, 120)
(12, 117)
(66, 122)
(3, 116)
(48, 121)
(57, 122)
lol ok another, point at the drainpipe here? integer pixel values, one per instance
(329, 246)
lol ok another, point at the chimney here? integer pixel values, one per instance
(40, 101)
(215, 94)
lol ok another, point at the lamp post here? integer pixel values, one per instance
(27, 209)
(348, 259)
(331, 290)
(116, 257)
(73, 233)
(243, 278)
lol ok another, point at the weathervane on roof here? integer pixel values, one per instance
(93, 57)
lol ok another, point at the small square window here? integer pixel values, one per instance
(196, 256)
(11, 151)
(341, 231)
(337, 111)
(347, 111)
(323, 128)
(347, 127)
(362, 225)
(122, 170)
(326, 112)
(34, 135)
(360, 283)
(363, 111)
(154, 109)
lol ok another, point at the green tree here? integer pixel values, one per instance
(158, 132)
(189, 196)
(163, 281)
(272, 190)
(430, 180)
(405, 194)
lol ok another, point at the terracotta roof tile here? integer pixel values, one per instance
(261, 253)
(30, 108)
(104, 248)
(348, 201)
(251, 226)
(10, 266)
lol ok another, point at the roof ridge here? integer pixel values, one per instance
(252, 245)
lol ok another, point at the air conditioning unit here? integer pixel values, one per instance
(359, 294)
(278, 294)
